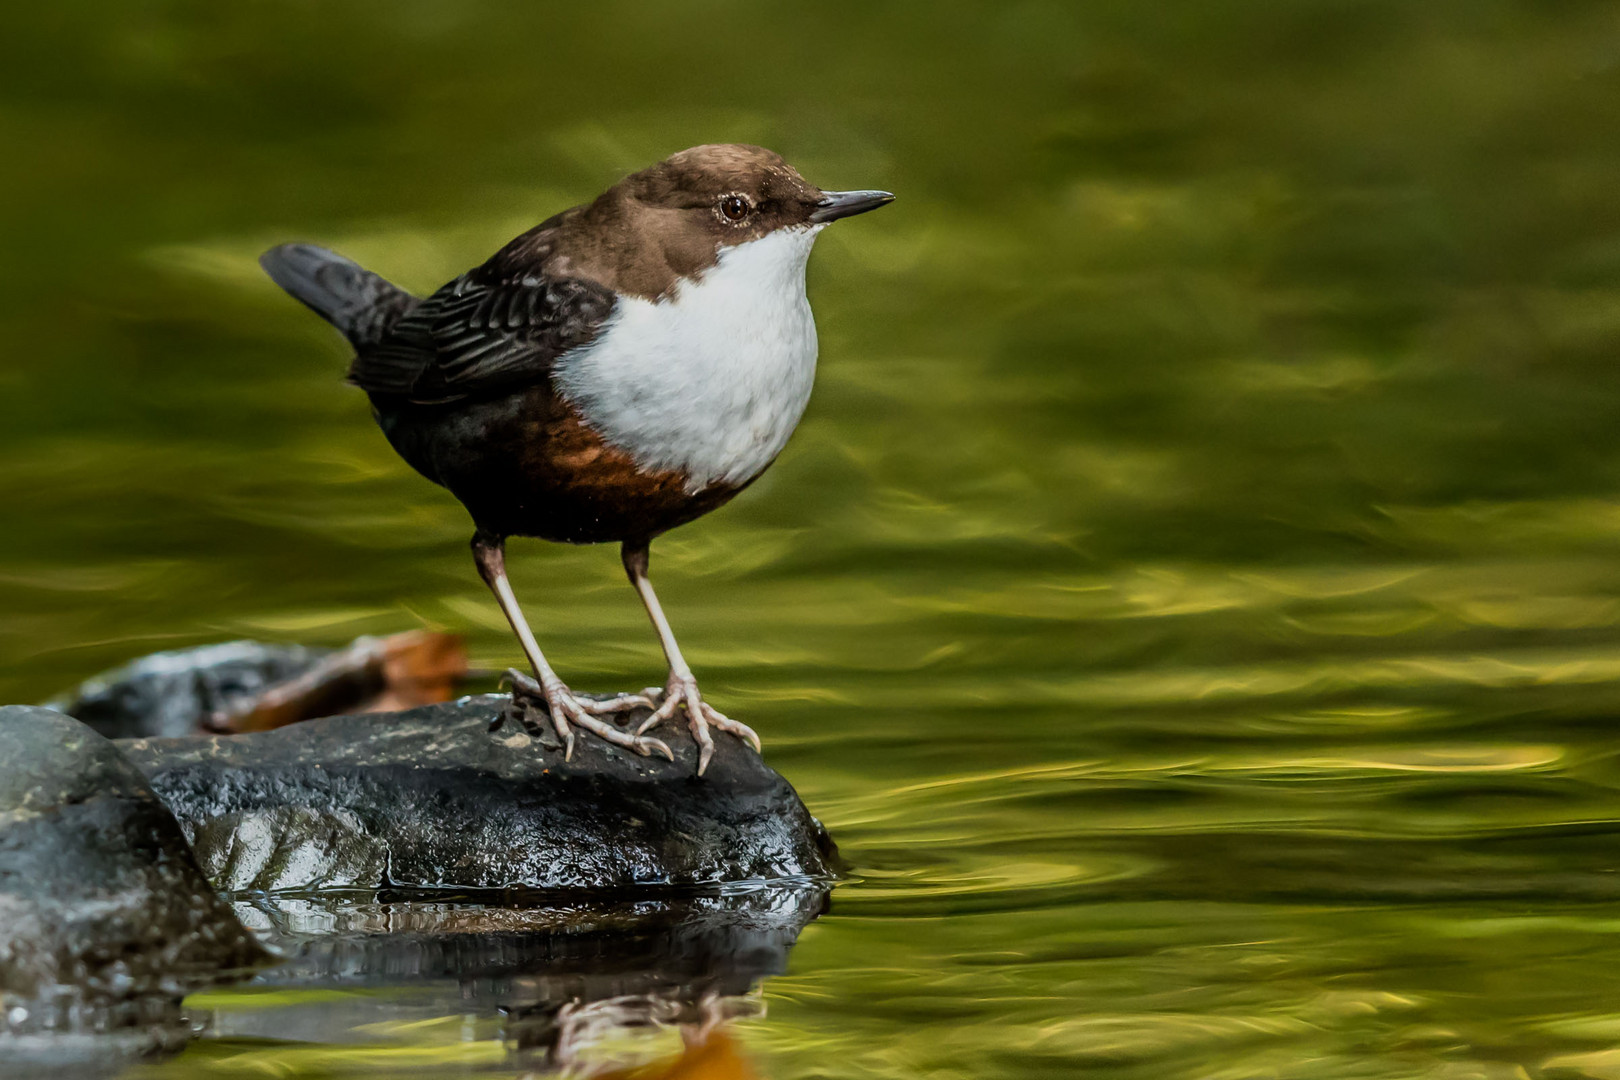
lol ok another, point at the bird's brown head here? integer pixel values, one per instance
(674, 219)
(735, 193)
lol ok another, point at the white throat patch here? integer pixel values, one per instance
(711, 381)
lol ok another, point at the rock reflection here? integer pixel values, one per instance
(549, 980)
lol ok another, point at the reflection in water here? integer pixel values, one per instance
(566, 1035)
(98, 1056)
(709, 1054)
(549, 982)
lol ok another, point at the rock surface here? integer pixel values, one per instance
(431, 798)
(105, 918)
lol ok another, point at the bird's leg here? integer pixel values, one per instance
(545, 689)
(681, 689)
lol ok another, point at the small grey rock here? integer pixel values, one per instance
(176, 693)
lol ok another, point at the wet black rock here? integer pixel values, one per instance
(431, 798)
(105, 918)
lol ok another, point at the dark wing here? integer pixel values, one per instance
(483, 333)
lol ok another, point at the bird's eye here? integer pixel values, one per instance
(734, 207)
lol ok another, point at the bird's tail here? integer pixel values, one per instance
(345, 294)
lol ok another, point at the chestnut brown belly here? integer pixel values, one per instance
(527, 465)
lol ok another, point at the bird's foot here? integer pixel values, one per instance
(683, 690)
(566, 711)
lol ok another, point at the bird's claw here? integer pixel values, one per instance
(700, 715)
(567, 710)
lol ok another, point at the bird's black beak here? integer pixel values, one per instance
(842, 204)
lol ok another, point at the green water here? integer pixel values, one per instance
(1192, 600)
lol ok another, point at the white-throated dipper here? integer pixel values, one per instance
(620, 369)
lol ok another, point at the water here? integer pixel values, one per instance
(1193, 598)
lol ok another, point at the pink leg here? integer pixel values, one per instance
(682, 688)
(545, 690)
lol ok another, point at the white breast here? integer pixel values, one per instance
(711, 381)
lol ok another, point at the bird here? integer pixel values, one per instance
(621, 369)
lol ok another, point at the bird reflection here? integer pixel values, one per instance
(562, 1037)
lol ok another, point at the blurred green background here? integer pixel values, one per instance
(1192, 600)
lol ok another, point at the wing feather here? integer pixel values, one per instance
(483, 333)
